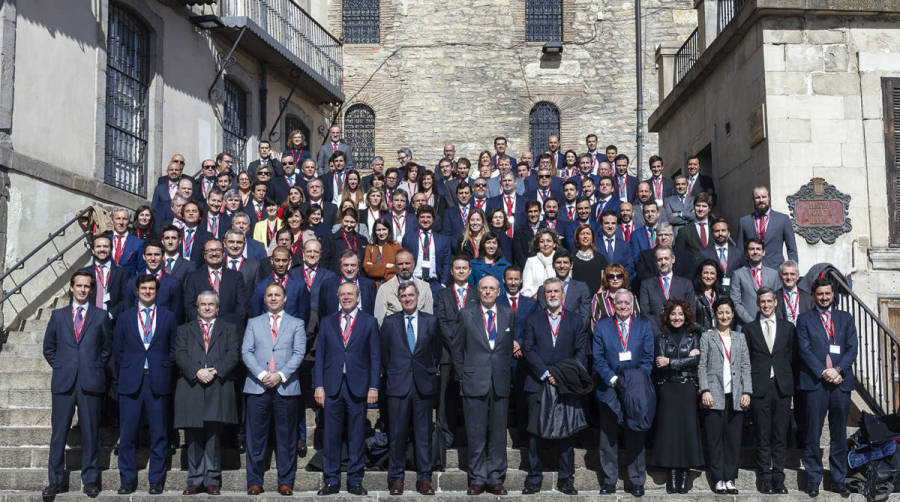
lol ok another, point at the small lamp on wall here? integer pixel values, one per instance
(552, 48)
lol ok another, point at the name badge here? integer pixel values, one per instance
(834, 349)
(726, 281)
(625, 356)
(106, 297)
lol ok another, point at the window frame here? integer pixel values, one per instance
(364, 20)
(537, 149)
(361, 159)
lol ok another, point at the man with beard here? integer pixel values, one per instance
(774, 229)
(387, 301)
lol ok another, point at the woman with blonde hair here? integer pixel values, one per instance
(475, 230)
(375, 206)
(295, 146)
(603, 303)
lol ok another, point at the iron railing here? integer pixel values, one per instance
(294, 29)
(687, 55)
(543, 20)
(877, 375)
(727, 10)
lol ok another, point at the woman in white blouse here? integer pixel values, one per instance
(539, 266)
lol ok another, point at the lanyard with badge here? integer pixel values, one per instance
(625, 355)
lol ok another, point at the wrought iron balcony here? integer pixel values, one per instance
(294, 35)
(686, 56)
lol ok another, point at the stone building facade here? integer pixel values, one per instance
(463, 72)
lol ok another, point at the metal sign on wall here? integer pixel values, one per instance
(819, 212)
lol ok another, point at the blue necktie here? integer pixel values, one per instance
(410, 334)
(148, 325)
(492, 327)
(190, 238)
(666, 286)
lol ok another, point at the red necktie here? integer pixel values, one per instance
(206, 332)
(702, 233)
(119, 248)
(515, 304)
(274, 318)
(333, 147)
(627, 230)
(756, 277)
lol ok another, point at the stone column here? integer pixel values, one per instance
(665, 68)
(707, 19)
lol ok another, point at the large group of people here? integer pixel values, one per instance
(443, 297)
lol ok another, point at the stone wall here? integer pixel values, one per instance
(461, 72)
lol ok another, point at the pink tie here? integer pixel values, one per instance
(333, 147)
(274, 336)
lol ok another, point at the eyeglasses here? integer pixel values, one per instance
(615, 276)
(178, 161)
(215, 251)
(543, 175)
(264, 173)
(480, 185)
(287, 163)
(207, 166)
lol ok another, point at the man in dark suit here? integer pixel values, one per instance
(215, 221)
(255, 206)
(512, 204)
(228, 284)
(265, 159)
(167, 188)
(296, 295)
(551, 335)
(108, 288)
(644, 237)
(729, 256)
(774, 229)
(335, 180)
(170, 291)
(646, 265)
(377, 167)
(411, 350)
(314, 277)
(447, 304)
(193, 235)
(481, 349)
(316, 189)
(273, 347)
(625, 185)
(349, 272)
(606, 200)
(678, 208)
(173, 263)
(347, 238)
(544, 189)
(281, 185)
(456, 216)
(694, 238)
(558, 158)
(771, 346)
(127, 248)
(334, 144)
(207, 351)
(660, 186)
(582, 217)
(430, 250)
(576, 296)
(207, 181)
(697, 182)
(345, 378)
(792, 301)
(254, 249)
(664, 285)
(77, 345)
(142, 350)
(622, 342)
(525, 233)
(235, 249)
(827, 343)
(522, 306)
(612, 245)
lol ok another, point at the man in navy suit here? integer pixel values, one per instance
(827, 343)
(235, 259)
(402, 221)
(430, 250)
(612, 245)
(625, 185)
(349, 272)
(335, 181)
(167, 188)
(512, 204)
(522, 306)
(207, 180)
(296, 301)
(193, 235)
(500, 146)
(585, 168)
(558, 158)
(698, 182)
(173, 263)
(552, 334)
(215, 221)
(570, 193)
(644, 237)
(253, 249)
(606, 200)
(77, 345)
(280, 185)
(411, 349)
(544, 189)
(525, 233)
(665, 284)
(316, 192)
(582, 217)
(345, 378)
(551, 218)
(108, 288)
(142, 350)
(127, 248)
(255, 206)
(774, 229)
(729, 256)
(170, 291)
(228, 284)
(660, 186)
(622, 342)
(457, 215)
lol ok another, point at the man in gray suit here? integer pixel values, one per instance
(665, 284)
(273, 348)
(771, 227)
(481, 350)
(335, 143)
(678, 208)
(576, 295)
(747, 280)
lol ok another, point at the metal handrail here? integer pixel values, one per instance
(21, 263)
(50, 261)
(878, 353)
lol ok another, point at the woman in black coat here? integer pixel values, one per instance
(707, 287)
(676, 439)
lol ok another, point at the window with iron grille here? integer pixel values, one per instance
(234, 124)
(544, 121)
(127, 85)
(359, 132)
(543, 20)
(361, 19)
(891, 94)
(293, 123)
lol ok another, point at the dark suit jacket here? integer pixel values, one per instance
(132, 257)
(447, 313)
(525, 308)
(668, 187)
(361, 356)
(130, 354)
(328, 184)
(621, 252)
(200, 238)
(703, 184)
(735, 257)
(274, 163)
(256, 250)
(443, 255)
(234, 297)
(198, 194)
(328, 300)
(688, 240)
(640, 241)
(652, 297)
(181, 268)
(762, 361)
(612, 205)
(479, 367)
(196, 403)
(646, 265)
(169, 295)
(521, 244)
(329, 212)
(117, 281)
(250, 270)
(325, 152)
(813, 346)
(779, 235)
(804, 304)
(631, 184)
(540, 351)
(280, 189)
(518, 208)
(161, 200)
(404, 368)
(83, 361)
(250, 210)
(577, 301)
(338, 245)
(452, 223)
(607, 346)
(296, 304)
(224, 223)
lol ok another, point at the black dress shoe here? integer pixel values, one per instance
(357, 490)
(329, 490)
(765, 487)
(672, 481)
(301, 448)
(608, 489)
(567, 488)
(91, 490)
(813, 491)
(51, 490)
(156, 488)
(681, 483)
(475, 490)
(779, 488)
(842, 489)
(637, 491)
(530, 489)
(126, 489)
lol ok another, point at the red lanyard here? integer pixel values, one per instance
(510, 205)
(725, 348)
(711, 297)
(462, 303)
(309, 279)
(757, 276)
(401, 229)
(425, 248)
(762, 223)
(282, 281)
(664, 289)
(188, 243)
(299, 153)
(213, 227)
(793, 306)
(551, 224)
(555, 332)
(209, 278)
(622, 180)
(829, 325)
(75, 325)
(464, 215)
(353, 246)
(623, 338)
(570, 211)
(240, 263)
(657, 186)
(474, 246)
(488, 327)
(375, 215)
(102, 280)
(271, 227)
(147, 327)
(206, 332)
(348, 328)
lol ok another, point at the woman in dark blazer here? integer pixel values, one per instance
(676, 439)
(587, 264)
(725, 390)
(499, 224)
(707, 288)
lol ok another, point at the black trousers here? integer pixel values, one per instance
(536, 444)
(723, 440)
(447, 416)
(772, 416)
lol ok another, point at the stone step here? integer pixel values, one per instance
(19, 364)
(22, 350)
(25, 380)
(24, 398)
(39, 323)
(31, 336)
(25, 416)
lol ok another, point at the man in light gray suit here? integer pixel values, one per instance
(678, 208)
(774, 229)
(747, 280)
(481, 351)
(273, 348)
(576, 294)
(335, 143)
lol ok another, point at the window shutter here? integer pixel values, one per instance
(891, 91)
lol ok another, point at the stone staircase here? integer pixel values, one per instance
(25, 436)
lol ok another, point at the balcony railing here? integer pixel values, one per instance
(294, 29)
(686, 56)
(727, 10)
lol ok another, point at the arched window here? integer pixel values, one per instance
(234, 124)
(127, 87)
(544, 121)
(361, 21)
(359, 132)
(543, 20)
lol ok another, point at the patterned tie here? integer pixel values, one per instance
(189, 238)
(79, 323)
(345, 332)
(609, 246)
(722, 260)
(826, 321)
(410, 334)
(426, 248)
(652, 237)
(207, 327)
(101, 288)
(148, 325)
(492, 327)
(756, 276)
(274, 321)
(702, 233)
(460, 297)
(334, 147)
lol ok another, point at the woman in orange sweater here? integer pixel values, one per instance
(378, 261)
